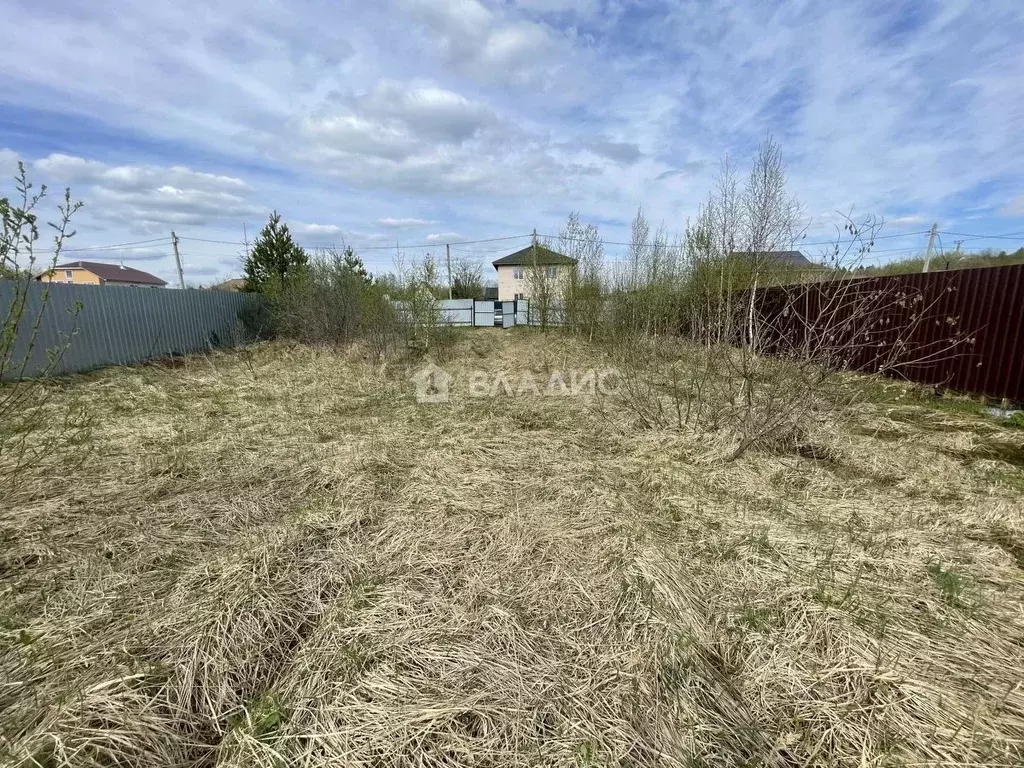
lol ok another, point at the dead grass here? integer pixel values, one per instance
(281, 559)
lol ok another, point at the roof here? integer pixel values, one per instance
(114, 273)
(526, 258)
(236, 284)
(785, 258)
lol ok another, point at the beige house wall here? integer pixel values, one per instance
(79, 276)
(510, 286)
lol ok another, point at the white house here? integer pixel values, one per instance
(518, 271)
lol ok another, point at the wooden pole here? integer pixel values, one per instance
(931, 242)
(177, 260)
(448, 258)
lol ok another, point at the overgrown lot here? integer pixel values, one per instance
(278, 557)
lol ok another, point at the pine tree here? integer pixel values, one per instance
(274, 256)
(353, 265)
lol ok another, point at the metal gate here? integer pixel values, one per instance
(483, 314)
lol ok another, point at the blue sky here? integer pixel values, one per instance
(416, 121)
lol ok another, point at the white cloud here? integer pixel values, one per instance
(136, 177)
(444, 237)
(8, 162)
(316, 229)
(146, 197)
(400, 223)
(488, 45)
(617, 151)
(316, 233)
(898, 222)
(428, 112)
(1014, 207)
(578, 7)
(358, 136)
(429, 140)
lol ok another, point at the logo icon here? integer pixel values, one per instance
(432, 384)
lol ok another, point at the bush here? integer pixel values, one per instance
(334, 300)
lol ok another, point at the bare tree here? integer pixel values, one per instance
(467, 279)
(544, 284)
(583, 292)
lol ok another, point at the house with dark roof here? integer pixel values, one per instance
(234, 285)
(518, 271)
(97, 273)
(790, 259)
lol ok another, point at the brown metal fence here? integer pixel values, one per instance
(961, 329)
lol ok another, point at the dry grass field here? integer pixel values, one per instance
(279, 558)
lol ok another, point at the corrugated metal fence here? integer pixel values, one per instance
(109, 325)
(962, 329)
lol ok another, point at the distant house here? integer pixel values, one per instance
(235, 284)
(514, 270)
(96, 273)
(790, 259)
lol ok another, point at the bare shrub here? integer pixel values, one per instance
(549, 279)
(467, 279)
(28, 431)
(764, 336)
(418, 288)
(645, 294)
(584, 295)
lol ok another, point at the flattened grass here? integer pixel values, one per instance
(279, 558)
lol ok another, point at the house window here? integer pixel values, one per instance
(551, 272)
(69, 275)
(519, 297)
(517, 273)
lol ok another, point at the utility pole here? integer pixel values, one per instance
(931, 242)
(177, 260)
(448, 258)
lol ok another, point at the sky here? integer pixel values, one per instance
(423, 122)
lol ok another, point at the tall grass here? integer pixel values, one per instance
(283, 560)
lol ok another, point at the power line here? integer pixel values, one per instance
(654, 245)
(218, 242)
(1008, 236)
(480, 251)
(122, 247)
(435, 244)
(869, 239)
(419, 246)
(118, 246)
